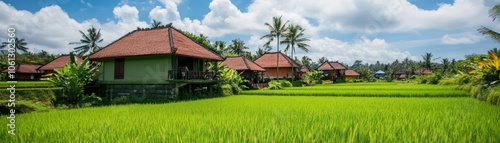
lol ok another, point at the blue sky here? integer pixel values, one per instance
(344, 30)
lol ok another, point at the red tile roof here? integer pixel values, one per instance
(331, 66)
(59, 62)
(25, 68)
(268, 60)
(155, 41)
(351, 73)
(304, 69)
(241, 63)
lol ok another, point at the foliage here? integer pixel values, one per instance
(228, 76)
(40, 58)
(294, 37)
(72, 78)
(430, 79)
(22, 107)
(18, 45)
(269, 119)
(202, 40)
(311, 78)
(377, 89)
(237, 47)
(227, 90)
(121, 100)
(88, 42)
(155, 24)
(277, 29)
(274, 84)
(285, 83)
(45, 96)
(297, 83)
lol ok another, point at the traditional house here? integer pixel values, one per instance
(303, 70)
(423, 72)
(379, 74)
(246, 68)
(400, 75)
(277, 64)
(156, 63)
(24, 72)
(351, 74)
(59, 62)
(332, 71)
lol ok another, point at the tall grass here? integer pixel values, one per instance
(269, 119)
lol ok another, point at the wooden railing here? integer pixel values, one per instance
(190, 75)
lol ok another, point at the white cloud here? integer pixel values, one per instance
(454, 39)
(51, 29)
(367, 50)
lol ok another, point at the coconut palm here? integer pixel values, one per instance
(427, 61)
(295, 37)
(155, 24)
(494, 13)
(237, 47)
(88, 42)
(276, 30)
(221, 48)
(19, 45)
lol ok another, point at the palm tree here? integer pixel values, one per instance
(260, 52)
(494, 13)
(295, 37)
(155, 24)
(221, 48)
(446, 64)
(19, 45)
(276, 29)
(306, 61)
(427, 61)
(237, 47)
(322, 60)
(89, 42)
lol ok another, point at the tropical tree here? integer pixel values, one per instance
(72, 78)
(276, 30)
(322, 60)
(494, 13)
(427, 64)
(306, 61)
(260, 52)
(19, 45)
(446, 64)
(294, 37)
(221, 48)
(155, 24)
(88, 42)
(237, 47)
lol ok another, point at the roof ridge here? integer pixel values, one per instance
(245, 61)
(206, 48)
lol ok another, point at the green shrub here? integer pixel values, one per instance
(120, 100)
(448, 81)
(274, 84)
(91, 100)
(22, 107)
(494, 95)
(285, 83)
(297, 83)
(44, 95)
(226, 90)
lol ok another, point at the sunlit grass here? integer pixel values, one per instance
(269, 119)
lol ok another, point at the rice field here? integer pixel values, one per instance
(257, 118)
(365, 90)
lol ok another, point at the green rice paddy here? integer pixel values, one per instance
(257, 118)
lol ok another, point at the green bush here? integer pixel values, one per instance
(285, 83)
(22, 107)
(120, 100)
(297, 83)
(91, 100)
(227, 90)
(274, 84)
(44, 95)
(494, 96)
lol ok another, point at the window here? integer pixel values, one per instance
(119, 68)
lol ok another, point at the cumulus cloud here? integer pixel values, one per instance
(367, 50)
(455, 39)
(51, 29)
